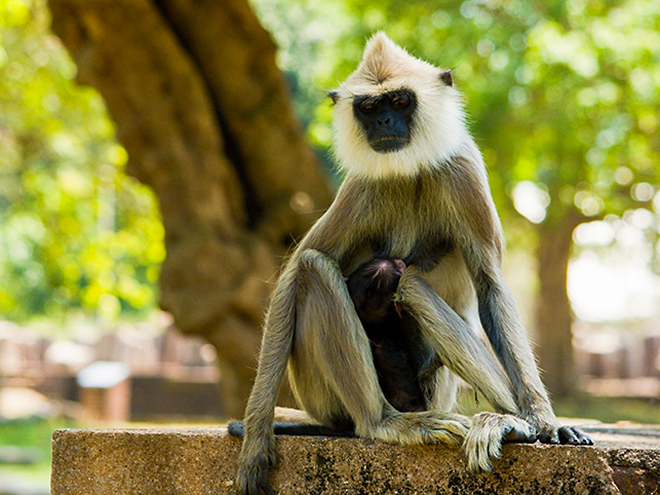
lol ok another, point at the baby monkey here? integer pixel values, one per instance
(401, 357)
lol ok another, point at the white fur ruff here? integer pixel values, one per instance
(438, 131)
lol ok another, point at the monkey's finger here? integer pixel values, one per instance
(573, 436)
(549, 435)
(258, 485)
(567, 436)
(517, 434)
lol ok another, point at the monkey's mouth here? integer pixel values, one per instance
(388, 144)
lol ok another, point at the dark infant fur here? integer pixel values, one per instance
(398, 352)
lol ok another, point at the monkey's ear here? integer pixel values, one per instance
(334, 95)
(447, 78)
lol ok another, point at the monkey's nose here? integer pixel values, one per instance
(384, 122)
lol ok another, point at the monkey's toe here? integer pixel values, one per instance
(569, 435)
(254, 481)
(549, 435)
(586, 439)
(564, 435)
(520, 433)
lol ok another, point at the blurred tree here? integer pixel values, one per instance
(207, 121)
(75, 233)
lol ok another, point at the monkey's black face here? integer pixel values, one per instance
(386, 119)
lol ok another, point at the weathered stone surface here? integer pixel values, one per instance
(202, 462)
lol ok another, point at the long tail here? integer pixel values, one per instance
(236, 429)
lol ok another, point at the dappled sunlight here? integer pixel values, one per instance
(531, 201)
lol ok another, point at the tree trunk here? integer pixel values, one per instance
(554, 315)
(206, 118)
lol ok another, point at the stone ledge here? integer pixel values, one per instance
(201, 461)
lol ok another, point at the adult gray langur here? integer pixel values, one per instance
(416, 190)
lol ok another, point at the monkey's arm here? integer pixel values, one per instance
(465, 354)
(482, 249)
(501, 322)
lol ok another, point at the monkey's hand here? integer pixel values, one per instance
(566, 435)
(253, 466)
(488, 432)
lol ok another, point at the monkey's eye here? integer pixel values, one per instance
(401, 101)
(368, 106)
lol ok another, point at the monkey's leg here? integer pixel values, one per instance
(480, 242)
(332, 367)
(462, 352)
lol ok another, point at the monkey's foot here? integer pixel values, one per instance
(425, 427)
(252, 476)
(254, 481)
(565, 435)
(488, 431)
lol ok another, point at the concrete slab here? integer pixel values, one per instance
(202, 461)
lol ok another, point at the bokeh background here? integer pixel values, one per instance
(158, 159)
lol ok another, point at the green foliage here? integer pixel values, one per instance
(75, 232)
(33, 433)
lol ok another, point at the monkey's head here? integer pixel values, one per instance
(372, 287)
(396, 114)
